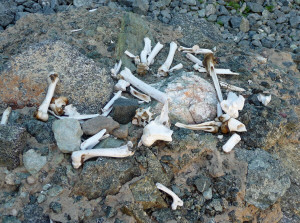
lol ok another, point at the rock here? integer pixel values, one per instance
(10, 219)
(80, 3)
(140, 6)
(164, 215)
(110, 143)
(67, 133)
(41, 198)
(295, 21)
(190, 104)
(224, 20)
(6, 17)
(201, 13)
(235, 22)
(121, 132)
(94, 125)
(189, 2)
(12, 142)
(212, 18)
(124, 110)
(34, 213)
(110, 212)
(267, 181)
(136, 211)
(33, 161)
(92, 185)
(20, 15)
(267, 43)
(41, 131)
(255, 7)
(210, 10)
(208, 194)
(87, 87)
(55, 191)
(55, 207)
(281, 19)
(222, 10)
(244, 25)
(30, 180)
(202, 183)
(256, 43)
(145, 193)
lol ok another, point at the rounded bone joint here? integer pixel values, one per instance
(233, 104)
(154, 52)
(176, 200)
(78, 157)
(146, 51)
(164, 69)
(5, 116)
(42, 113)
(142, 117)
(121, 85)
(264, 99)
(57, 104)
(92, 141)
(230, 144)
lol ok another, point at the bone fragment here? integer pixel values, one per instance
(264, 99)
(195, 60)
(114, 71)
(57, 105)
(140, 95)
(78, 157)
(232, 141)
(233, 104)
(195, 49)
(177, 67)
(211, 126)
(152, 92)
(154, 52)
(42, 113)
(176, 200)
(110, 103)
(142, 117)
(219, 110)
(92, 141)
(218, 71)
(71, 112)
(231, 87)
(164, 69)
(236, 126)
(121, 85)
(5, 116)
(146, 51)
(136, 59)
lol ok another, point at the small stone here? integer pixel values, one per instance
(41, 198)
(202, 183)
(67, 133)
(256, 43)
(94, 125)
(208, 194)
(222, 10)
(266, 14)
(216, 204)
(212, 18)
(294, 21)
(281, 19)
(20, 15)
(224, 20)
(244, 26)
(55, 207)
(266, 43)
(235, 22)
(210, 10)
(140, 6)
(10, 219)
(33, 161)
(47, 186)
(110, 143)
(124, 110)
(110, 212)
(121, 132)
(190, 2)
(30, 180)
(201, 13)
(80, 3)
(55, 191)
(255, 7)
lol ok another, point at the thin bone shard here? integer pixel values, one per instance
(176, 67)
(92, 141)
(5, 116)
(217, 70)
(136, 59)
(233, 104)
(154, 52)
(110, 103)
(121, 85)
(140, 95)
(116, 69)
(231, 87)
(195, 49)
(176, 200)
(265, 100)
(194, 59)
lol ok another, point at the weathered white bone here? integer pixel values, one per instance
(136, 59)
(176, 200)
(42, 113)
(192, 49)
(233, 104)
(110, 103)
(236, 126)
(217, 70)
(264, 99)
(146, 51)
(142, 117)
(232, 141)
(177, 67)
(71, 112)
(92, 141)
(121, 85)
(195, 60)
(5, 116)
(152, 92)
(195, 49)
(154, 52)
(211, 126)
(159, 129)
(231, 87)
(114, 71)
(78, 157)
(224, 118)
(219, 110)
(106, 113)
(57, 104)
(140, 95)
(164, 69)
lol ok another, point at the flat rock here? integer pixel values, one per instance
(94, 125)
(121, 132)
(33, 161)
(24, 82)
(67, 133)
(124, 110)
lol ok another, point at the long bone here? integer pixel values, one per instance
(107, 108)
(153, 53)
(195, 49)
(92, 141)
(176, 200)
(78, 157)
(152, 92)
(5, 116)
(146, 51)
(231, 87)
(42, 112)
(232, 141)
(121, 85)
(164, 69)
(211, 126)
(140, 95)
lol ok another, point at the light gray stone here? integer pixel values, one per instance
(140, 6)
(190, 2)
(294, 21)
(210, 10)
(201, 13)
(79, 3)
(244, 26)
(33, 161)
(255, 7)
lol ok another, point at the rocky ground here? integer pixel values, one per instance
(257, 182)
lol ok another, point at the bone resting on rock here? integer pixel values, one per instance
(92, 141)
(264, 99)
(164, 69)
(233, 104)
(176, 200)
(5, 116)
(230, 144)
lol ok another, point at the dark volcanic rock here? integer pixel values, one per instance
(137, 212)
(105, 176)
(124, 110)
(94, 125)
(34, 214)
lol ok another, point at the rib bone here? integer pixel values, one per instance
(154, 52)
(92, 141)
(176, 200)
(110, 103)
(116, 69)
(231, 87)
(164, 69)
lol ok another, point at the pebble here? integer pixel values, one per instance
(30, 180)
(208, 194)
(41, 198)
(33, 161)
(121, 132)
(124, 110)
(94, 125)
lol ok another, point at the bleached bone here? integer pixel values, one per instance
(146, 51)
(159, 129)
(211, 126)
(176, 200)
(121, 85)
(232, 141)
(57, 104)
(209, 65)
(42, 113)
(233, 104)
(114, 71)
(5, 116)
(231, 87)
(154, 52)
(219, 110)
(152, 92)
(177, 67)
(194, 59)
(92, 141)
(106, 113)
(217, 70)
(164, 69)
(140, 95)
(136, 59)
(236, 126)
(264, 99)
(142, 117)
(224, 118)
(71, 112)
(78, 157)
(195, 49)
(110, 103)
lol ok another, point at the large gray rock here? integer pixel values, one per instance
(94, 125)
(210, 10)
(267, 181)
(295, 21)
(67, 133)
(81, 81)
(244, 25)
(33, 161)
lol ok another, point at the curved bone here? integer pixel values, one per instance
(264, 99)
(152, 92)
(136, 59)
(195, 60)
(211, 126)
(116, 69)
(42, 113)
(231, 87)
(57, 104)
(232, 141)
(146, 51)
(78, 157)
(140, 95)
(121, 85)
(154, 52)
(5, 116)
(71, 112)
(110, 103)
(92, 141)
(164, 69)
(176, 200)
(233, 104)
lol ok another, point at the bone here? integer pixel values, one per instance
(236, 126)
(78, 157)
(177, 67)
(142, 86)
(211, 126)
(110, 103)
(71, 112)
(92, 141)
(153, 53)
(218, 71)
(57, 105)
(219, 110)
(195, 60)
(195, 49)
(121, 85)
(5, 116)
(140, 95)
(230, 144)
(116, 69)
(164, 69)
(136, 59)
(176, 200)
(42, 113)
(142, 117)
(146, 51)
(231, 87)
(264, 99)
(233, 104)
